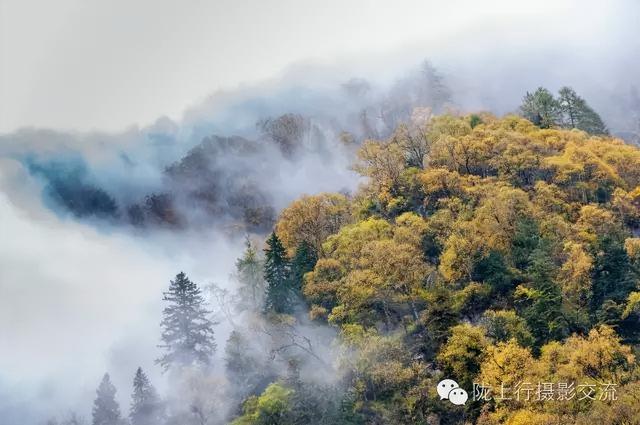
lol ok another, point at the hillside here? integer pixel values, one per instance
(480, 249)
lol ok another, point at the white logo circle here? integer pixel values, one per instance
(458, 396)
(445, 386)
(448, 389)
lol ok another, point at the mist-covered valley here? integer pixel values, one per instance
(95, 224)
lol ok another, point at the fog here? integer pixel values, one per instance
(78, 301)
(80, 294)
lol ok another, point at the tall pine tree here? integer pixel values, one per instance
(541, 108)
(106, 410)
(187, 333)
(146, 408)
(303, 262)
(276, 274)
(251, 279)
(578, 114)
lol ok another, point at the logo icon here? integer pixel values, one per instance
(448, 389)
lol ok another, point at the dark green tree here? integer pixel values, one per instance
(612, 274)
(576, 113)
(592, 123)
(571, 105)
(277, 275)
(187, 333)
(146, 408)
(525, 241)
(303, 261)
(475, 120)
(541, 108)
(543, 309)
(106, 410)
(494, 270)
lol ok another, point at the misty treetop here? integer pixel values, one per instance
(187, 331)
(177, 176)
(106, 410)
(146, 406)
(250, 277)
(568, 110)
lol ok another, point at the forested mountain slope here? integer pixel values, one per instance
(481, 249)
(497, 252)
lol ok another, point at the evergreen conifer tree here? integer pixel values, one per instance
(251, 279)
(187, 333)
(145, 408)
(541, 108)
(543, 315)
(106, 410)
(303, 262)
(578, 114)
(276, 274)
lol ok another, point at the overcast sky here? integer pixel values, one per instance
(93, 64)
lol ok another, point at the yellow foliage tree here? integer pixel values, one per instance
(464, 353)
(312, 219)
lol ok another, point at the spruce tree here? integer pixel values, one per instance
(612, 273)
(276, 274)
(251, 279)
(543, 314)
(303, 262)
(146, 408)
(106, 410)
(187, 333)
